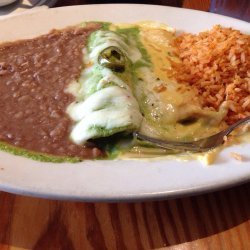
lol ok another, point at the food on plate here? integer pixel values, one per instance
(81, 92)
(105, 104)
(216, 64)
(237, 156)
(33, 76)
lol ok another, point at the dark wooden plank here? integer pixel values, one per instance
(220, 220)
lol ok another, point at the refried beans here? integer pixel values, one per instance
(34, 74)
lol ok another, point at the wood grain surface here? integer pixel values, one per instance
(219, 220)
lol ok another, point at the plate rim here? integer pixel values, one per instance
(142, 197)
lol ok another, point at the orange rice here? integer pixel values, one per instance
(216, 63)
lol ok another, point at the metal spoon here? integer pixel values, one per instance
(201, 145)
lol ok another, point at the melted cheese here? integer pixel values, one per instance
(166, 101)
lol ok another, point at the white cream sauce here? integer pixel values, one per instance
(110, 107)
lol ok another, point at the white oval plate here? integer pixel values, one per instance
(6, 2)
(118, 179)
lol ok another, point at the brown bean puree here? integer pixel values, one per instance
(34, 74)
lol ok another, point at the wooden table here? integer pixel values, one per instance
(219, 220)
